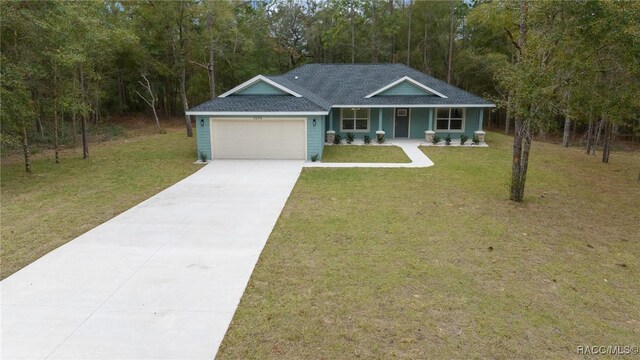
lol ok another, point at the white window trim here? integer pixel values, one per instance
(354, 122)
(464, 120)
(255, 80)
(403, 79)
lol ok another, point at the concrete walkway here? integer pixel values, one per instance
(160, 281)
(409, 146)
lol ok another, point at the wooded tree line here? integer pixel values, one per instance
(67, 66)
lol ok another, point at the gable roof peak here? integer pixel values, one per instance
(409, 80)
(256, 79)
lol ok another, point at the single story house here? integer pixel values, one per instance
(291, 116)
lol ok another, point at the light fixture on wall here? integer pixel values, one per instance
(201, 122)
(314, 122)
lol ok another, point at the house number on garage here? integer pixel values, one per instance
(257, 118)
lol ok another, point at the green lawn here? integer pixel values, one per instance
(438, 263)
(364, 154)
(56, 203)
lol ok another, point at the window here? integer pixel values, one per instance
(402, 112)
(450, 119)
(354, 120)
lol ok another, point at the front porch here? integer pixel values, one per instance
(419, 123)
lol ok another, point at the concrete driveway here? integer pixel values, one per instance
(160, 281)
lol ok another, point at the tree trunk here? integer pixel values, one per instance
(374, 44)
(567, 131)
(606, 142)
(25, 149)
(39, 126)
(609, 137)
(516, 159)
(185, 104)
(451, 30)
(55, 132)
(425, 50)
(75, 129)
(168, 101)
(392, 41)
(589, 137)
(85, 140)
(409, 34)
(121, 92)
(598, 133)
(62, 133)
(524, 162)
(83, 121)
(507, 119)
(353, 34)
(211, 65)
(55, 118)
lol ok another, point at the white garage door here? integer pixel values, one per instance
(269, 138)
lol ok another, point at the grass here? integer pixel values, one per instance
(364, 154)
(56, 203)
(438, 263)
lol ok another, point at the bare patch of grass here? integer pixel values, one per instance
(56, 203)
(438, 263)
(364, 154)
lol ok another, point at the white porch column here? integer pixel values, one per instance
(429, 133)
(380, 133)
(480, 133)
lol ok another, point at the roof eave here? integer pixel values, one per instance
(417, 105)
(257, 113)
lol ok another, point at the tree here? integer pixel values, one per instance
(523, 134)
(151, 101)
(451, 36)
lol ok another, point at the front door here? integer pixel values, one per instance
(402, 123)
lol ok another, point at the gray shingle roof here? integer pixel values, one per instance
(325, 85)
(251, 103)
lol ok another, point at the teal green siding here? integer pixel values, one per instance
(404, 88)
(387, 122)
(472, 117)
(203, 136)
(419, 122)
(315, 136)
(261, 88)
(323, 138)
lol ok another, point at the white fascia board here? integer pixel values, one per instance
(406, 78)
(255, 80)
(418, 106)
(255, 113)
